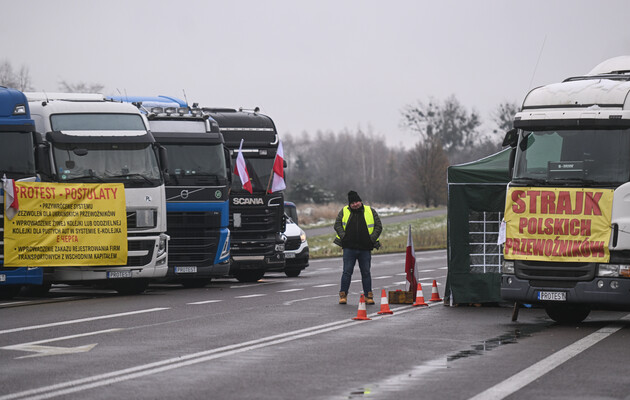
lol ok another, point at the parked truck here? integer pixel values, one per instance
(256, 219)
(198, 183)
(17, 161)
(567, 213)
(92, 140)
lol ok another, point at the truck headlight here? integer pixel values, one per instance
(302, 236)
(162, 244)
(507, 267)
(608, 270)
(225, 251)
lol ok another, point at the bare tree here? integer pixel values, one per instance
(503, 116)
(80, 87)
(20, 80)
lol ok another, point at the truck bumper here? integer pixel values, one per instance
(600, 293)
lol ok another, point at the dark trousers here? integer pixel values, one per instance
(350, 257)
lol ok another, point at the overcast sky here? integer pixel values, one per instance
(317, 65)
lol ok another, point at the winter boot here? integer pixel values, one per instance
(370, 298)
(343, 298)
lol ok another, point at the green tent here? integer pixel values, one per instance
(476, 201)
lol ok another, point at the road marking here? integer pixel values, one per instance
(289, 290)
(426, 270)
(530, 374)
(383, 277)
(326, 285)
(356, 280)
(205, 302)
(400, 283)
(53, 350)
(247, 296)
(402, 274)
(76, 321)
(91, 382)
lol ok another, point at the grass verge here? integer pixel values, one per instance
(427, 233)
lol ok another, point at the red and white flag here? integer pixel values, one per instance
(278, 184)
(11, 204)
(241, 170)
(410, 266)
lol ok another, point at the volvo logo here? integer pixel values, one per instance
(217, 194)
(184, 194)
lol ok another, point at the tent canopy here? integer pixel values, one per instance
(476, 200)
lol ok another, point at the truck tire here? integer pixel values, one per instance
(567, 314)
(195, 283)
(131, 286)
(9, 291)
(249, 276)
(37, 290)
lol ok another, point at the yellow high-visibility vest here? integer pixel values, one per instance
(367, 214)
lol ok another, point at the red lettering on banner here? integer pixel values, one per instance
(518, 205)
(548, 202)
(591, 204)
(564, 203)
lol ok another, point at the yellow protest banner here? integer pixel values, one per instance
(558, 224)
(63, 224)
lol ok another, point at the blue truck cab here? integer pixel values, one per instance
(197, 191)
(17, 161)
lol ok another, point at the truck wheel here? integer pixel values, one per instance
(195, 283)
(292, 273)
(131, 286)
(37, 290)
(9, 291)
(249, 276)
(567, 314)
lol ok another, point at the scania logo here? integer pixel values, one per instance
(247, 201)
(184, 194)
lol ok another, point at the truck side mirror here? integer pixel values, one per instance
(228, 164)
(511, 138)
(163, 156)
(42, 160)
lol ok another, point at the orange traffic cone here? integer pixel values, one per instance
(362, 313)
(419, 297)
(435, 295)
(384, 304)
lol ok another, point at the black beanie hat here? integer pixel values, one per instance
(353, 196)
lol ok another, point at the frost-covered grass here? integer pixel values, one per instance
(316, 216)
(427, 233)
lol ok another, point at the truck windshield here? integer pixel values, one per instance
(196, 164)
(16, 155)
(97, 122)
(134, 164)
(259, 170)
(590, 157)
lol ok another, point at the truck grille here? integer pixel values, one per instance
(194, 237)
(134, 245)
(256, 235)
(549, 271)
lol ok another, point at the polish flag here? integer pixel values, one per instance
(278, 171)
(11, 205)
(410, 266)
(241, 170)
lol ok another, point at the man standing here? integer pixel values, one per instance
(358, 228)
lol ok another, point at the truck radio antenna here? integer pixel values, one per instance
(185, 98)
(537, 61)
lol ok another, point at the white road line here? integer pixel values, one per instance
(356, 280)
(399, 283)
(206, 302)
(250, 296)
(530, 374)
(76, 321)
(402, 274)
(443, 268)
(382, 277)
(63, 338)
(91, 382)
(289, 290)
(426, 270)
(326, 285)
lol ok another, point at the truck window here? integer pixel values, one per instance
(196, 162)
(16, 155)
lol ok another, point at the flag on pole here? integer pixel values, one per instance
(11, 204)
(278, 183)
(241, 170)
(410, 266)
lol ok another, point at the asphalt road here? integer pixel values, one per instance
(287, 338)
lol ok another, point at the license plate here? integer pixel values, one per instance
(289, 255)
(118, 274)
(552, 296)
(3, 278)
(186, 270)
